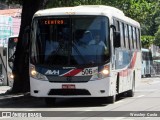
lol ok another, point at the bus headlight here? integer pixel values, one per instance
(104, 73)
(35, 74)
(10, 75)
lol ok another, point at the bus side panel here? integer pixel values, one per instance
(128, 65)
(138, 68)
(123, 59)
(112, 83)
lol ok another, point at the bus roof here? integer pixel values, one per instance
(13, 36)
(87, 10)
(80, 10)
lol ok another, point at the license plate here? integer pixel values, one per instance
(68, 86)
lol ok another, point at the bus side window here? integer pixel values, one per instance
(134, 38)
(138, 38)
(117, 25)
(126, 36)
(122, 37)
(131, 37)
(117, 43)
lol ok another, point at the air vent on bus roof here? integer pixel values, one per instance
(109, 8)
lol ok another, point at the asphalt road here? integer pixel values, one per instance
(146, 101)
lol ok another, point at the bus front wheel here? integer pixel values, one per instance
(108, 100)
(111, 99)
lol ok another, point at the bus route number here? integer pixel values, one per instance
(87, 72)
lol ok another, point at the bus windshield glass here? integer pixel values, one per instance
(70, 40)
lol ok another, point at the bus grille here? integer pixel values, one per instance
(69, 92)
(73, 79)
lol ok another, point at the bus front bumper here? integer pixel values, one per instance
(96, 88)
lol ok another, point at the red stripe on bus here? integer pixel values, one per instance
(73, 72)
(132, 64)
(127, 71)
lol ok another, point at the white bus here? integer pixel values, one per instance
(64, 64)
(146, 62)
(12, 42)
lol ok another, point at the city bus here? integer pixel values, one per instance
(64, 64)
(146, 62)
(11, 48)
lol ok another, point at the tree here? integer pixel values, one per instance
(147, 41)
(62, 3)
(21, 66)
(157, 37)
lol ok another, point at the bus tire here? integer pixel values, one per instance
(149, 75)
(111, 99)
(130, 93)
(50, 101)
(108, 100)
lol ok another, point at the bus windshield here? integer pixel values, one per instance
(70, 40)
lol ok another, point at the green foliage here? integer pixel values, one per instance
(147, 41)
(65, 3)
(157, 37)
(3, 1)
(147, 12)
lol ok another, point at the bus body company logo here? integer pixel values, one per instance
(6, 114)
(52, 72)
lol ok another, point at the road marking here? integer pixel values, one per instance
(88, 110)
(146, 90)
(140, 96)
(119, 102)
(5, 117)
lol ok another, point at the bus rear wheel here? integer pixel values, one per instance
(50, 101)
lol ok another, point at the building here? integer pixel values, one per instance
(16, 16)
(9, 25)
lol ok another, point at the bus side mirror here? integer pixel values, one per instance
(11, 59)
(116, 38)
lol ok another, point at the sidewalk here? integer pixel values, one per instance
(9, 97)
